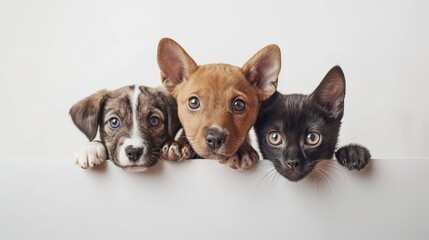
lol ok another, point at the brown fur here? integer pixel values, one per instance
(217, 86)
(85, 113)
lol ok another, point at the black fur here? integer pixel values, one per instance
(353, 156)
(294, 116)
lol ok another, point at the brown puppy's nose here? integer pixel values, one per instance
(133, 154)
(215, 138)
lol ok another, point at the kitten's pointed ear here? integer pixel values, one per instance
(330, 93)
(175, 64)
(263, 70)
(268, 104)
(85, 114)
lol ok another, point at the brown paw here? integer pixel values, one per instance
(176, 151)
(243, 159)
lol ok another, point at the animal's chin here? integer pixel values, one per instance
(135, 168)
(214, 156)
(229, 148)
(217, 155)
(208, 153)
(138, 166)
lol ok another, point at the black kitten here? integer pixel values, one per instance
(296, 131)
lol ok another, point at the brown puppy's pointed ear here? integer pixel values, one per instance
(85, 114)
(330, 93)
(175, 64)
(263, 70)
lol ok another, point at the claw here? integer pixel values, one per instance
(353, 156)
(90, 155)
(176, 151)
(243, 159)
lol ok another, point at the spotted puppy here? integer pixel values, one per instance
(134, 122)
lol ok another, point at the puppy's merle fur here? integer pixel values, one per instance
(134, 122)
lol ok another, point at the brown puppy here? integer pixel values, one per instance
(134, 123)
(217, 103)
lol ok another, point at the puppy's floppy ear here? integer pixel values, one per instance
(86, 113)
(263, 69)
(175, 64)
(330, 93)
(172, 116)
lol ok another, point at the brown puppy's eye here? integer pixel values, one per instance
(274, 138)
(193, 103)
(313, 138)
(154, 121)
(238, 106)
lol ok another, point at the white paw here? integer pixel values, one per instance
(90, 155)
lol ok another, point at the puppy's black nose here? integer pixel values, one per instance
(215, 138)
(292, 164)
(133, 154)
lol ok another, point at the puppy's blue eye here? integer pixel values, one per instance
(193, 103)
(154, 121)
(114, 123)
(313, 138)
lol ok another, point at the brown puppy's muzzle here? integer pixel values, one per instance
(215, 138)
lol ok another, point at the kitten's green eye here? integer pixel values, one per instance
(313, 138)
(274, 138)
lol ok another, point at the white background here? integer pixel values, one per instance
(54, 53)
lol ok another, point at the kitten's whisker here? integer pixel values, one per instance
(327, 179)
(271, 179)
(322, 177)
(264, 164)
(311, 179)
(259, 169)
(275, 181)
(338, 169)
(331, 175)
(330, 165)
(316, 180)
(264, 178)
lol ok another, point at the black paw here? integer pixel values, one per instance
(353, 156)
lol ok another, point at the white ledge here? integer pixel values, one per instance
(201, 199)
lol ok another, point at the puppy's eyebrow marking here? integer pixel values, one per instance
(240, 94)
(195, 93)
(134, 98)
